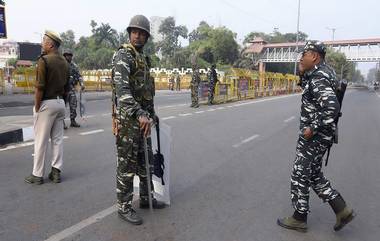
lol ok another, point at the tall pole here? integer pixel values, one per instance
(297, 37)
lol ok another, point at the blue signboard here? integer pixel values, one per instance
(3, 28)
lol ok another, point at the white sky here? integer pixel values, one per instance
(353, 19)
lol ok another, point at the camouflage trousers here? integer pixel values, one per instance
(194, 95)
(307, 174)
(131, 162)
(211, 90)
(72, 97)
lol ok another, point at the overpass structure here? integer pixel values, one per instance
(356, 50)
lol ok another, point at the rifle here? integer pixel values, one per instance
(158, 158)
(341, 90)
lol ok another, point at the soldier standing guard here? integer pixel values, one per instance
(319, 108)
(133, 92)
(194, 84)
(213, 78)
(75, 78)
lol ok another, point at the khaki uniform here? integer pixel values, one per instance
(52, 79)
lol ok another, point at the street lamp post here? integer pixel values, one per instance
(297, 37)
(333, 32)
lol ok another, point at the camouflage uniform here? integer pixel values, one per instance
(194, 84)
(213, 78)
(318, 110)
(178, 82)
(134, 92)
(75, 78)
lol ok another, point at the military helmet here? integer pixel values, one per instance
(140, 22)
(67, 52)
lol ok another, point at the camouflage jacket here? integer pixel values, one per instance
(213, 76)
(132, 85)
(320, 105)
(75, 76)
(195, 78)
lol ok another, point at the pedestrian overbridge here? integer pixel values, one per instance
(356, 50)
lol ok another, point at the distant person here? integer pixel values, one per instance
(171, 82)
(213, 78)
(75, 79)
(194, 85)
(49, 109)
(178, 82)
(319, 109)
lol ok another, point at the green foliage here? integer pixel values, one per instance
(213, 45)
(343, 68)
(68, 40)
(170, 45)
(12, 62)
(276, 37)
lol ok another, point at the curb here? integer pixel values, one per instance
(16, 136)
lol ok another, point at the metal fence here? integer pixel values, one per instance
(234, 84)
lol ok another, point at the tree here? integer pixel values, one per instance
(12, 62)
(68, 40)
(338, 61)
(214, 45)
(170, 43)
(104, 35)
(276, 37)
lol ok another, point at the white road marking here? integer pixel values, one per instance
(171, 106)
(229, 106)
(199, 112)
(91, 132)
(82, 224)
(220, 108)
(90, 116)
(246, 141)
(22, 107)
(168, 118)
(289, 119)
(17, 146)
(185, 114)
(106, 114)
(210, 110)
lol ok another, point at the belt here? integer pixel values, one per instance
(52, 98)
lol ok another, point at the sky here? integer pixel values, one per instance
(352, 19)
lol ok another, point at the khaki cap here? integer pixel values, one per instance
(54, 36)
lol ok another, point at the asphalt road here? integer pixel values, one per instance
(230, 176)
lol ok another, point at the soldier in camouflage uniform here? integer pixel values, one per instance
(133, 92)
(194, 84)
(213, 78)
(75, 78)
(177, 82)
(319, 108)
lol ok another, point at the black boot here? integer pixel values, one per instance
(344, 214)
(130, 215)
(55, 175)
(298, 222)
(74, 123)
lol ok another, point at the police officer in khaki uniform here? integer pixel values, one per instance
(49, 108)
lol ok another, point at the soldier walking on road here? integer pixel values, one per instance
(213, 78)
(319, 108)
(194, 85)
(49, 109)
(133, 92)
(75, 79)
